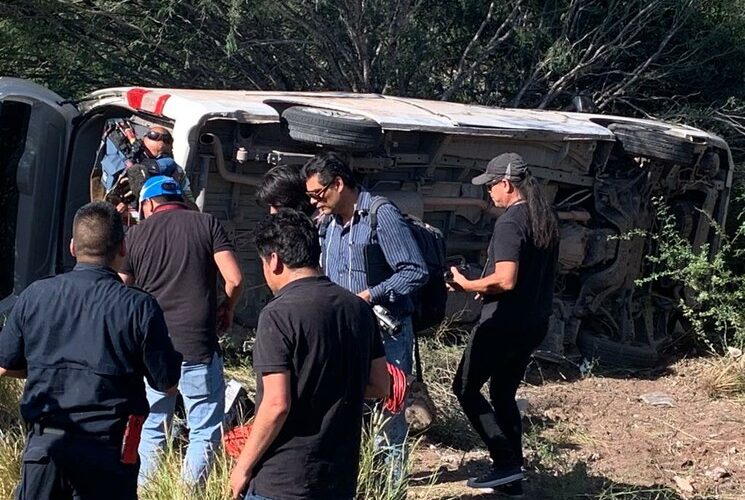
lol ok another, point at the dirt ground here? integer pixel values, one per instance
(594, 437)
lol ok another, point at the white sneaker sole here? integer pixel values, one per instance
(496, 482)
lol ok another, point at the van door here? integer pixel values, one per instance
(35, 128)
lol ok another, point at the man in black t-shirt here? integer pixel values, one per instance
(175, 254)
(318, 353)
(517, 291)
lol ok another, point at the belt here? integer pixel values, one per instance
(42, 430)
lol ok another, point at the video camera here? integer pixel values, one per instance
(386, 320)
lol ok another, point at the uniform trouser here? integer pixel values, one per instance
(61, 467)
(202, 386)
(497, 354)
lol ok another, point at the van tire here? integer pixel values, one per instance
(611, 352)
(333, 128)
(638, 140)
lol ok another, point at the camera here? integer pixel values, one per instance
(386, 320)
(459, 263)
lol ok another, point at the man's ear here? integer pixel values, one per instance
(339, 184)
(275, 264)
(72, 247)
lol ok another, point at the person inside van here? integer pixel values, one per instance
(158, 146)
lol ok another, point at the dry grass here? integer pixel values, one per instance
(440, 358)
(11, 436)
(376, 478)
(725, 377)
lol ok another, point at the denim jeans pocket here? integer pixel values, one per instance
(196, 380)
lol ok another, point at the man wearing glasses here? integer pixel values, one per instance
(158, 158)
(345, 241)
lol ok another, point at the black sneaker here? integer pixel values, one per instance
(497, 477)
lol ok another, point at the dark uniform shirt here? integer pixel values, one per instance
(87, 341)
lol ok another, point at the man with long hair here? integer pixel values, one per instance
(517, 291)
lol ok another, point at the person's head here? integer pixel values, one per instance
(508, 181)
(284, 187)
(329, 183)
(98, 235)
(156, 191)
(158, 141)
(287, 243)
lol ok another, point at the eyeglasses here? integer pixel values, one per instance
(160, 136)
(319, 193)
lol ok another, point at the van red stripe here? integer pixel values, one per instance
(134, 97)
(160, 104)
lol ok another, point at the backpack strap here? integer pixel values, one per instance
(372, 213)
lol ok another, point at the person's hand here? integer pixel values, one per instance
(122, 208)
(224, 317)
(239, 480)
(458, 281)
(366, 296)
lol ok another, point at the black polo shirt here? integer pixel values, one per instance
(87, 341)
(326, 337)
(171, 254)
(532, 296)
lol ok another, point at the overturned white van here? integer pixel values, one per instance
(600, 171)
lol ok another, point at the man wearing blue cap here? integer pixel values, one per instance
(175, 254)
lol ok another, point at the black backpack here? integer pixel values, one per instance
(431, 299)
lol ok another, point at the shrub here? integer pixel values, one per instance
(713, 300)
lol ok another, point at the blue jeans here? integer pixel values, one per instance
(398, 351)
(202, 386)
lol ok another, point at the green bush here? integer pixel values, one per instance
(713, 299)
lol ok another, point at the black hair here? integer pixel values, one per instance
(329, 166)
(292, 236)
(284, 187)
(97, 231)
(544, 225)
(167, 198)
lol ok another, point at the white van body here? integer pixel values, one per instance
(600, 171)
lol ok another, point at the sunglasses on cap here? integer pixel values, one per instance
(160, 136)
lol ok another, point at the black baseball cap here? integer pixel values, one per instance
(510, 166)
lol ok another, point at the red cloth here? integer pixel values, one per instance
(397, 398)
(235, 439)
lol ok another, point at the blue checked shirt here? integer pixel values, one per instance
(343, 260)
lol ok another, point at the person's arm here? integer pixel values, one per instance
(126, 271)
(161, 361)
(379, 379)
(379, 382)
(270, 417)
(402, 253)
(503, 279)
(12, 345)
(230, 270)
